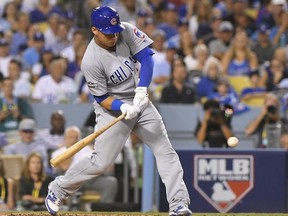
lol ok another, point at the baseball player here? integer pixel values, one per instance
(111, 66)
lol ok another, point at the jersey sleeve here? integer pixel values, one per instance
(95, 79)
(135, 38)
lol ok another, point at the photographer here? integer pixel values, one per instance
(267, 125)
(215, 128)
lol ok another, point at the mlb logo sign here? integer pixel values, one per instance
(223, 180)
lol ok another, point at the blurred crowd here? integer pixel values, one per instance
(224, 54)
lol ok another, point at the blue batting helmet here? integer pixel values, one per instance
(106, 19)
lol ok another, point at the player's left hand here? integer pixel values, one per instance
(141, 99)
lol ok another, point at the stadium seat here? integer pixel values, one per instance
(239, 83)
(13, 166)
(254, 101)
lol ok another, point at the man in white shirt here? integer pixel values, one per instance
(55, 87)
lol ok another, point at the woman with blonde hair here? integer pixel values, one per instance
(33, 183)
(239, 60)
(6, 190)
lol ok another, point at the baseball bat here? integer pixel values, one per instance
(69, 152)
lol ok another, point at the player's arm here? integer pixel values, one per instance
(110, 103)
(141, 96)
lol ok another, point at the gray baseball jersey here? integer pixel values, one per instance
(115, 73)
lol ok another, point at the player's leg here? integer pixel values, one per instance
(151, 131)
(107, 147)
(106, 185)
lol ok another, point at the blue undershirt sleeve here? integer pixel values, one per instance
(147, 64)
(116, 104)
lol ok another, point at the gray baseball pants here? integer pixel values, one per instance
(150, 129)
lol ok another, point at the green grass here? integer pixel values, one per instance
(132, 214)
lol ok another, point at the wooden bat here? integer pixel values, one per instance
(82, 143)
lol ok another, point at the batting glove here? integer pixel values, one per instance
(130, 111)
(141, 99)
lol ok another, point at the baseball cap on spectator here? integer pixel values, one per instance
(38, 36)
(69, 15)
(278, 2)
(170, 45)
(142, 13)
(4, 42)
(159, 32)
(46, 49)
(183, 21)
(27, 125)
(264, 29)
(170, 6)
(226, 26)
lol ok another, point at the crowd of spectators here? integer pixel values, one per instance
(224, 52)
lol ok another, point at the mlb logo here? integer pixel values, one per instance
(223, 180)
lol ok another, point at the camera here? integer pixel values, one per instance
(219, 110)
(272, 109)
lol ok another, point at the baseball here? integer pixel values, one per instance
(232, 141)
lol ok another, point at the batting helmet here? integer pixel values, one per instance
(106, 19)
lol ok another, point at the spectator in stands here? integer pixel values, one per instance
(208, 82)
(265, 14)
(162, 68)
(9, 20)
(31, 55)
(245, 23)
(41, 68)
(55, 134)
(273, 75)
(78, 39)
(42, 11)
(226, 95)
(149, 27)
(199, 21)
(62, 38)
(33, 183)
(12, 109)
(196, 64)
(105, 184)
(281, 54)
(20, 36)
(20, 79)
(61, 88)
(186, 46)
(255, 90)
(182, 27)
(279, 33)
(7, 199)
(215, 128)
(28, 143)
(239, 60)
(74, 66)
(263, 47)
(169, 20)
(177, 91)
(267, 125)
(5, 58)
(50, 31)
(220, 45)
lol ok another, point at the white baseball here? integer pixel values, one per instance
(232, 141)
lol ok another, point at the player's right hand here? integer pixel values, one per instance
(130, 111)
